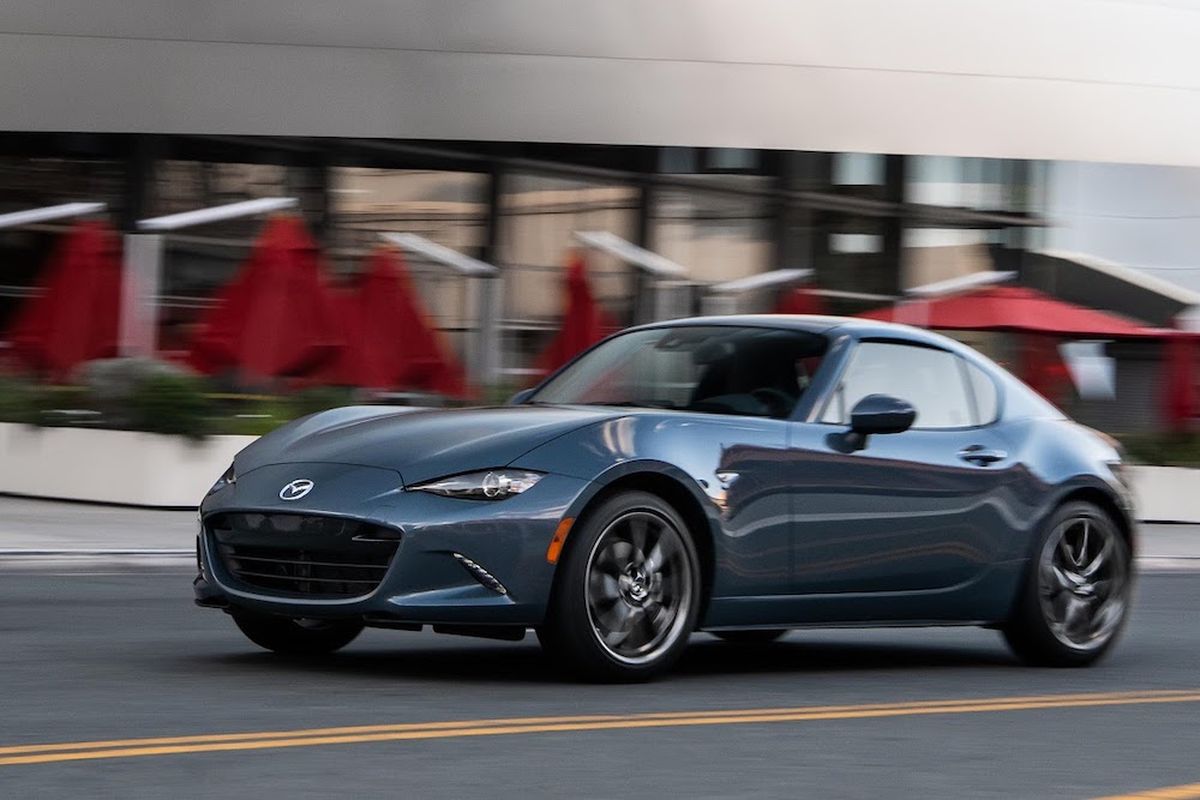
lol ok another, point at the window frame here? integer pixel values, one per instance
(834, 393)
(969, 364)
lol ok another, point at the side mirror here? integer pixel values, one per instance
(879, 413)
(520, 397)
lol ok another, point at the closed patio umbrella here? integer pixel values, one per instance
(76, 316)
(390, 342)
(277, 317)
(584, 322)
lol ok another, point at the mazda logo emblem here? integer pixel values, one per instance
(296, 489)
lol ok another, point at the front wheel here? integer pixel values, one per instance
(296, 637)
(628, 591)
(1076, 593)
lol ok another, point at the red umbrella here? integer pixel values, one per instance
(390, 342)
(584, 322)
(277, 318)
(1014, 308)
(800, 301)
(1179, 384)
(76, 317)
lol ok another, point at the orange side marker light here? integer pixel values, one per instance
(559, 538)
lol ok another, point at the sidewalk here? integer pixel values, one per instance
(49, 530)
(44, 534)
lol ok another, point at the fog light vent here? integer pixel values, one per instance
(480, 574)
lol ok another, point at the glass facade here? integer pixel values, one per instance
(868, 225)
(46, 180)
(445, 207)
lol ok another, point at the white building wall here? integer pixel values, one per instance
(1146, 217)
(1094, 80)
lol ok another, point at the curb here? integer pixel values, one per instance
(1168, 564)
(80, 560)
(21, 552)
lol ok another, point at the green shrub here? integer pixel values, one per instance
(318, 398)
(38, 404)
(253, 416)
(501, 393)
(173, 404)
(18, 401)
(1163, 449)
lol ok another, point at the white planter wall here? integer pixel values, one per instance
(1167, 494)
(144, 469)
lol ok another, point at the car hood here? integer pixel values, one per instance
(420, 444)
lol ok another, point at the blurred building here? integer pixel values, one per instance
(882, 145)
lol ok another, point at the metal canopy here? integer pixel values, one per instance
(440, 254)
(630, 253)
(202, 216)
(961, 283)
(847, 295)
(33, 216)
(763, 280)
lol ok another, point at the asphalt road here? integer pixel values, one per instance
(126, 656)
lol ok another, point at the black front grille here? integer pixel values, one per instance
(303, 556)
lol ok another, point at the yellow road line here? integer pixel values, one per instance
(1189, 792)
(454, 724)
(132, 748)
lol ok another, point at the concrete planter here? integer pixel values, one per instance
(1166, 494)
(126, 467)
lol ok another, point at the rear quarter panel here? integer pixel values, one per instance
(1064, 458)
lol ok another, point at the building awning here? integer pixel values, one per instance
(1015, 309)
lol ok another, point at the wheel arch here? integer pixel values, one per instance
(1106, 501)
(662, 482)
(1102, 498)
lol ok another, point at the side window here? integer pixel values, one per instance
(983, 388)
(929, 379)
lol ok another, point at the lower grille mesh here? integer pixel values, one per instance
(303, 556)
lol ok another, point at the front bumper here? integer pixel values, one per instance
(434, 577)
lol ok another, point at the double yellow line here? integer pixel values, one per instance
(312, 737)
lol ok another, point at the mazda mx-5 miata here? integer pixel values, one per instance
(736, 475)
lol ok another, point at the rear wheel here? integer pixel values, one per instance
(627, 594)
(296, 637)
(1077, 590)
(753, 636)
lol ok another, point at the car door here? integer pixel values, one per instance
(911, 511)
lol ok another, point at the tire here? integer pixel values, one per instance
(1075, 597)
(627, 592)
(751, 636)
(296, 637)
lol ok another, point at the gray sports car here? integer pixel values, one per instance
(737, 475)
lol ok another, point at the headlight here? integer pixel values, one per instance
(492, 484)
(228, 479)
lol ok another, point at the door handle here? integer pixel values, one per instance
(980, 455)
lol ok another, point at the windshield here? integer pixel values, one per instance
(716, 369)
